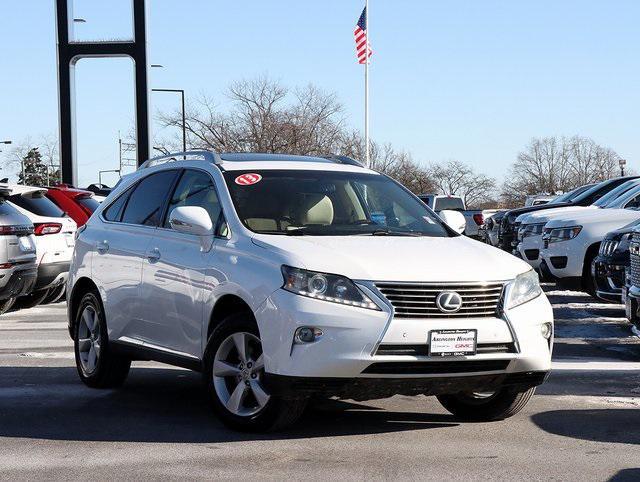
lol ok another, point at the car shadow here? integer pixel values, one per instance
(164, 405)
(626, 475)
(602, 425)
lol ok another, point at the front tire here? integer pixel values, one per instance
(234, 375)
(97, 365)
(487, 407)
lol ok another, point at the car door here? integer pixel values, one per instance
(173, 272)
(121, 244)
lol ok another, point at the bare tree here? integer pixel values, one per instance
(265, 116)
(550, 165)
(458, 179)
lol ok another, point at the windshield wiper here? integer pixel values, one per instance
(388, 232)
(295, 231)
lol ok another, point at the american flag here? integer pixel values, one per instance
(363, 49)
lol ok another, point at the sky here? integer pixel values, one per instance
(472, 80)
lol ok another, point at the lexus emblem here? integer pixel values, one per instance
(449, 302)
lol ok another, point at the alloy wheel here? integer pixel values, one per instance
(89, 340)
(238, 371)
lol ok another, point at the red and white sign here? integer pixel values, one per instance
(248, 179)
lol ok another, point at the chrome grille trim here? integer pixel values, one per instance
(418, 300)
(634, 268)
(608, 246)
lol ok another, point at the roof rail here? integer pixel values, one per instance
(343, 160)
(191, 155)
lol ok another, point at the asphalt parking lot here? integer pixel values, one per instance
(584, 423)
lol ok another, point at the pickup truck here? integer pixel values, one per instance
(474, 217)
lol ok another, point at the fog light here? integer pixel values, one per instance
(546, 330)
(307, 334)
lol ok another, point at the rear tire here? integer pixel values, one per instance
(499, 405)
(233, 375)
(6, 305)
(98, 366)
(33, 299)
(54, 294)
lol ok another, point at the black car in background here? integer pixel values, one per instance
(608, 269)
(582, 196)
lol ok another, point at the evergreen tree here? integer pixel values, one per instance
(34, 171)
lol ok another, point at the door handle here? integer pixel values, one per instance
(153, 255)
(102, 246)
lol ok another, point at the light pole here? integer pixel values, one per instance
(622, 162)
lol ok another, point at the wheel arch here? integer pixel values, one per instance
(80, 288)
(226, 305)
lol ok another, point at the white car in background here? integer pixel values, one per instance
(17, 252)
(532, 224)
(571, 242)
(54, 236)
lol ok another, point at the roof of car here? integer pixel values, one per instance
(72, 191)
(254, 161)
(20, 189)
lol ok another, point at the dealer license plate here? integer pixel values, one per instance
(452, 342)
(70, 240)
(26, 245)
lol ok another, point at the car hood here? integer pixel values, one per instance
(604, 217)
(393, 258)
(544, 216)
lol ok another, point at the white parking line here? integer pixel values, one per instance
(595, 364)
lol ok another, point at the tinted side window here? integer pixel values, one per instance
(147, 200)
(114, 212)
(195, 188)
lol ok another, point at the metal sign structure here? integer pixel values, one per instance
(70, 51)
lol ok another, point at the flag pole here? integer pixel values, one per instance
(366, 89)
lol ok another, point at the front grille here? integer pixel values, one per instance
(418, 300)
(634, 268)
(436, 367)
(608, 246)
(423, 349)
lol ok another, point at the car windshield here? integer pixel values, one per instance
(616, 193)
(37, 203)
(450, 203)
(292, 202)
(623, 200)
(88, 202)
(569, 196)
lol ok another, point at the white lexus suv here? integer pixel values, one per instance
(285, 277)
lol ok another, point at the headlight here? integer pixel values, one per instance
(326, 287)
(564, 234)
(533, 230)
(525, 288)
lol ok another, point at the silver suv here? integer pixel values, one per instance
(17, 253)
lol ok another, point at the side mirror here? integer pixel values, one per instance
(191, 220)
(454, 219)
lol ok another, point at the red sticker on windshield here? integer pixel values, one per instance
(248, 179)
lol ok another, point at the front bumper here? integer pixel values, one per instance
(52, 274)
(20, 282)
(631, 297)
(609, 279)
(529, 249)
(374, 388)
(562, 259)
(355, 341)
